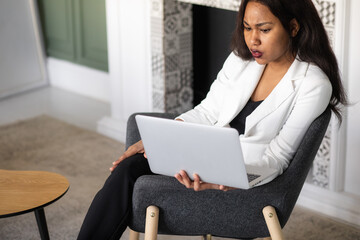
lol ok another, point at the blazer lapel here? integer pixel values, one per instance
(281, 92)
(240, 92)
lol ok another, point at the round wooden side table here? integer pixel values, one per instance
(26, 191)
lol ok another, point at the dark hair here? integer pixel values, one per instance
(311, 43)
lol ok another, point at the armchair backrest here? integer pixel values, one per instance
(292, 180)
(132, 131)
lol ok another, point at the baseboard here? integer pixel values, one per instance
(79, 79)
(338, 205)
(112, 128)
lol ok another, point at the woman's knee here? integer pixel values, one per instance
(133, 166)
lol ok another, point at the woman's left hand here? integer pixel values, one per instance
(197, 184)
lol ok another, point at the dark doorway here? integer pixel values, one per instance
(212, 30)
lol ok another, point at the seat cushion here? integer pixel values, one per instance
(186, 212)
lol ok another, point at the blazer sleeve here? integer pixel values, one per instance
(313, 98)
(207, 112)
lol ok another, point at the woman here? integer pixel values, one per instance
(281, 75)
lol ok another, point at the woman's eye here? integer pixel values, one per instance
(247, 28)
(265, 30)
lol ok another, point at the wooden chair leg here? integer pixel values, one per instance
(206, 237)
(133, 235)
(273, 223)
(151, 224)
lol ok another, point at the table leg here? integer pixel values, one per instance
(41, 221)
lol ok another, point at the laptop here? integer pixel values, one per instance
(214, 153)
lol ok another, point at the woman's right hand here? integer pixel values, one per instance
(132, 150)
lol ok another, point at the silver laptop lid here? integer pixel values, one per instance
(214, 153)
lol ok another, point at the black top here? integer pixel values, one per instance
(239, 121)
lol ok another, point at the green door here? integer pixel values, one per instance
(75, 30)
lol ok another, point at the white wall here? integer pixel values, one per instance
(352, 176)
(131, 71)
(128, 29)
(20, 48)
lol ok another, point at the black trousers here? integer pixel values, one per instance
(110, 210)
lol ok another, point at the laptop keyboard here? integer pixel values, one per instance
(252, 177)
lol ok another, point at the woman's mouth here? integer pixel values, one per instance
(256, 54)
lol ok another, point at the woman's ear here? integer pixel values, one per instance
(294, 27)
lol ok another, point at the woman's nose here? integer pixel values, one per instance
(254, 38)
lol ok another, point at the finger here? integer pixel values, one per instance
(145, 155)
(114, 165)
(225, 188)
(209, 186)
(179, 178)
(185, 179)
(197, 184)
(117, 162)
(132, 150)
(200, 185)
(121, 158)
(112, 168)
(187, 182)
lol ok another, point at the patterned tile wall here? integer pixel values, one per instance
(171, 28)
(320, 173)
(172, 71)
(224, 4)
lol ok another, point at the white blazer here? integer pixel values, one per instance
(273, 131)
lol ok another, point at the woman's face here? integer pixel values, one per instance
(265, 36)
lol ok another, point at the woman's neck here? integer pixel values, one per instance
(272, 75)
(281, 66)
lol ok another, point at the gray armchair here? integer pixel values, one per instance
(168, 207)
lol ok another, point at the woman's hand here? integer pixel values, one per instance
(197, 184)
(132, 150)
